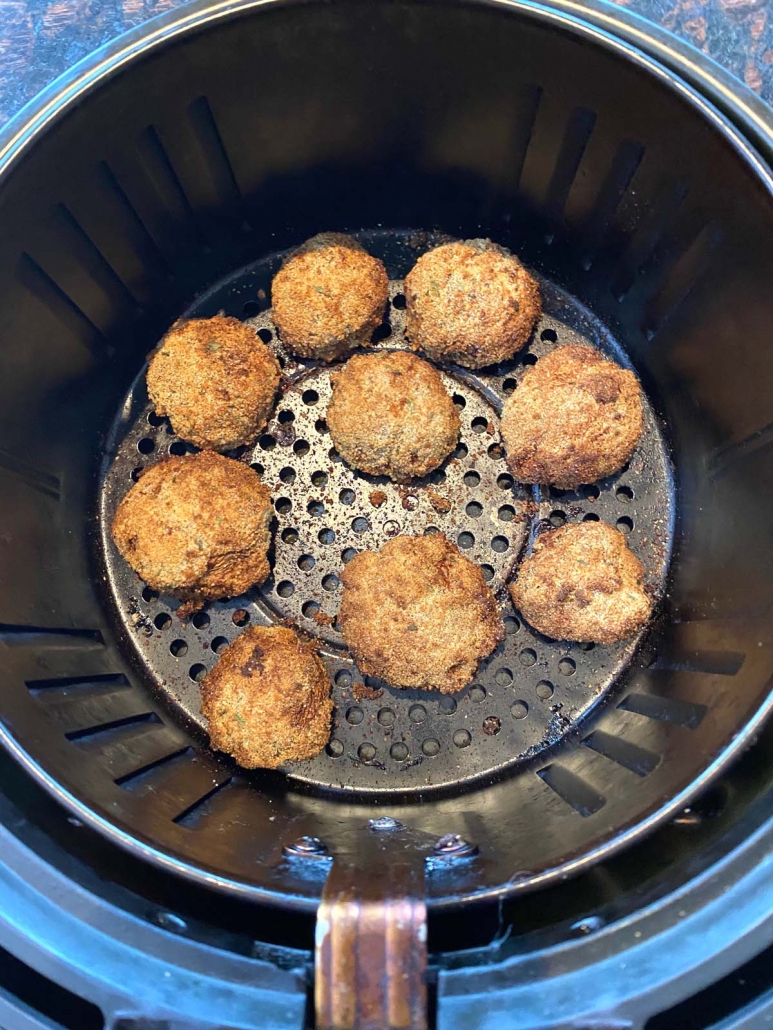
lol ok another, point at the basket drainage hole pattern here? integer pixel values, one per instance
(531, 690)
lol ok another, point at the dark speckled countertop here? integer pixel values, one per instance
(39, 39)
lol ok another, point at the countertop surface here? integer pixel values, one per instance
(39, 39)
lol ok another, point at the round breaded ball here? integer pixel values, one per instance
(391, 415)
(418, 613)
(574, 418)
(472, 303)
(267, 701)
(328, 297)
(196, 527)
(215, 380)
(582, 582)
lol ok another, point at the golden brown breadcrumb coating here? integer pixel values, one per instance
(418, 613)
(582, 582)
(196, 527)
(471, 302)
(574, 418)
(215, 380)
(328, 297)
(391, 415)
(267, 701)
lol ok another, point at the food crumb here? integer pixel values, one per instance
(377, 498)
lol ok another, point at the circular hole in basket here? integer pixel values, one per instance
(348, 554)
(461, 450)
(197, 672)
(290, 535)
(321, 426)
(265, 335)
(519, 710)
(500, 544)
(154, 419)
(462, 738)
(549, 336)
(509, 385)
(306, 562)
(557, 518)
(326, 536)
(283, 505)
(496, 451)
(360, 524)
(386, 717)
(591, 493)
(287, 475)
(301, 447)
(530, 359)
(477, 693)
(447, 704)
(309, 609)
(343, 678)
(251, 309)
(240, 617)
(459, 401)
(335, 749)
(330, 582)
(354, 715)
(285, 588)
(417, 713)
(512, 625)
(624, 494)
(471, 479)
(267, 442)
(146, 445)
(398, 751)
(431, 747)
(479, 424)
(465, 540)
(316, 509)
(474, 509)
(528, 657)
(178, 448)
(178, 648)
(286, 416)
(488, 572)
(437, 477)
(219, 644)
(346, 496)
(567, 667)
(149, 594)
(586, 645)
(544, 690)
(366, 752)
(200, 620)
(398, 301)
(310, 397)
(505, 482)
(503, 677)
(257, 468)
(136, 473)
(319, 478)
(625, 525)
(591, 517)
(492, 725)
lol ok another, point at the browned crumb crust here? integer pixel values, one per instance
(196, 527)
(267, 701)
(418, 613)
(391, 415)
(328, 297)
(574, 418)
(582, 582)
(215, 380)
(471, 302)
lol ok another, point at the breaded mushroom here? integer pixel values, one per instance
(215, 380)
(267, 701)
(472, 303)
(582, 582)
(575, 418)
(418, 613)
(328, 297)
(196, 527)
(391, 415)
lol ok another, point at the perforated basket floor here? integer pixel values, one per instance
(531, 690)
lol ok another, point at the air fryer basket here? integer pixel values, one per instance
(175, 186)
